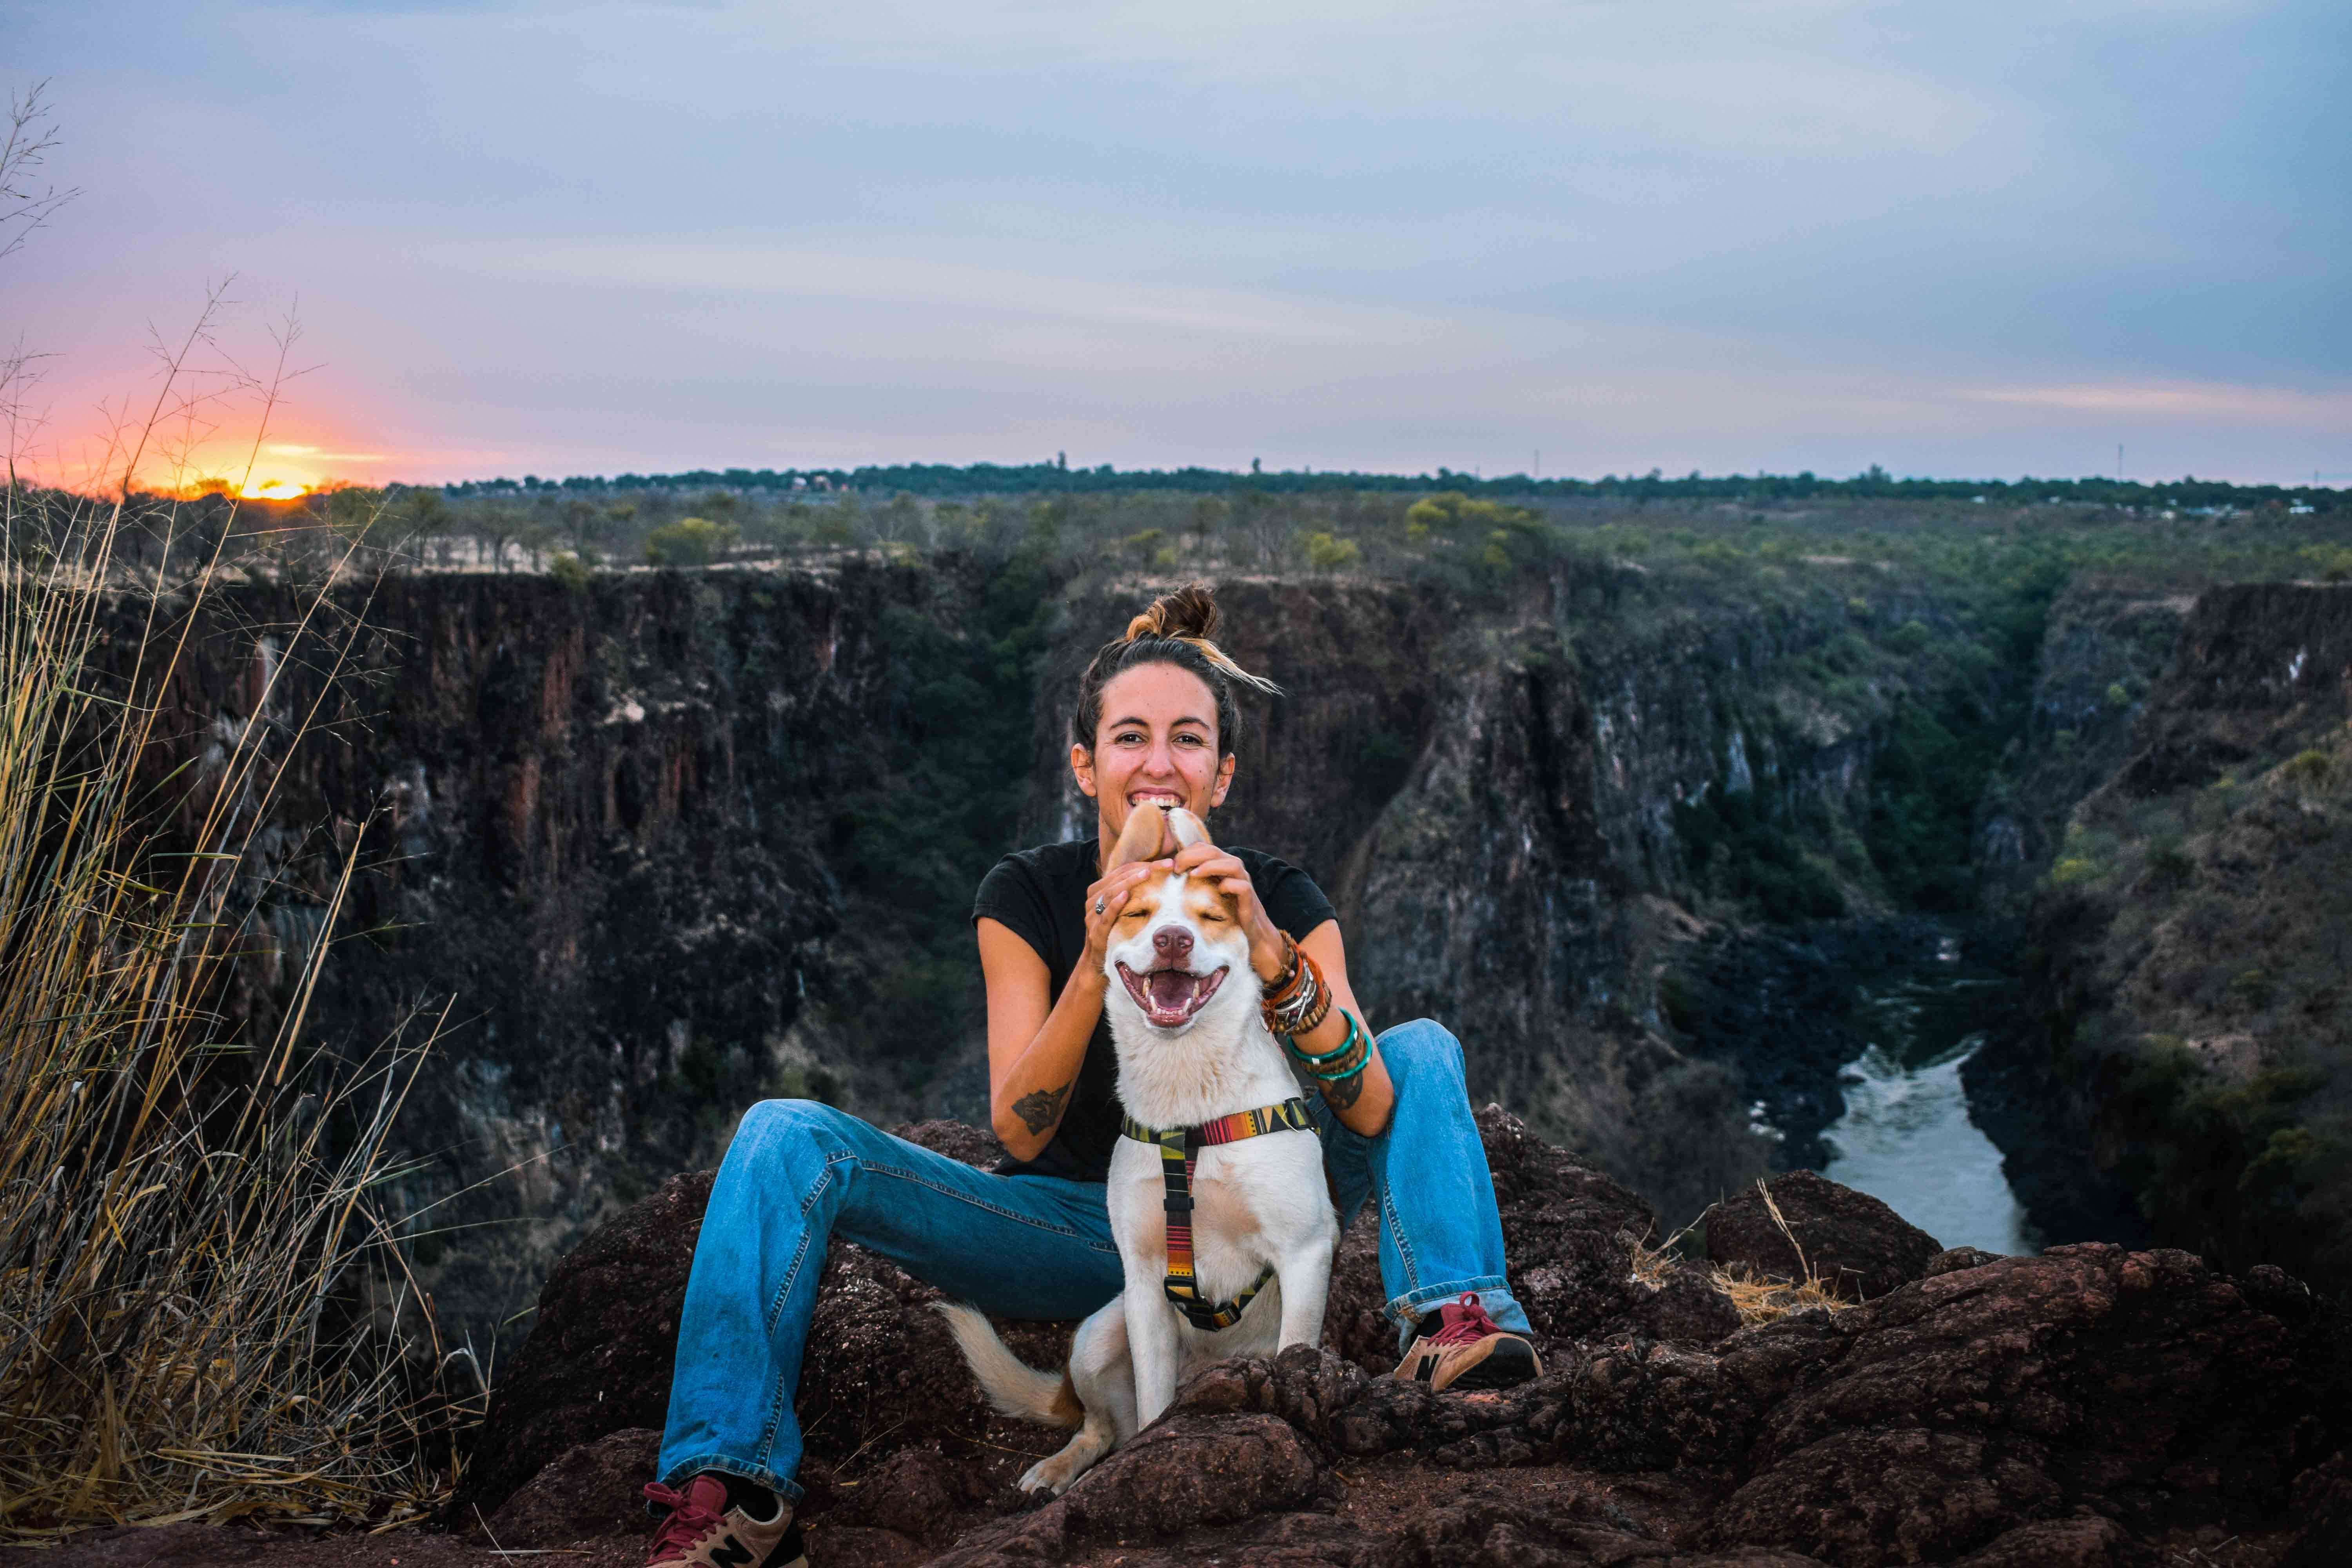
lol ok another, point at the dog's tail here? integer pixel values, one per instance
(1012, 1384)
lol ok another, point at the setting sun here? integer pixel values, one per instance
(258, 489)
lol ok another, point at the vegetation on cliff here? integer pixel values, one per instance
(2192, 939)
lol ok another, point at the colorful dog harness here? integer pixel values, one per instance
(1178, 1147)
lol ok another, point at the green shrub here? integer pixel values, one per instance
(689, 541)
(569, 570)
(2071, 870)
(1910, 636)
(2309, 771)
(1328, 551)
(2333, 561)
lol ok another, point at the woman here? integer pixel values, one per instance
(1155, 722)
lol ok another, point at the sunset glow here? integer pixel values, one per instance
(274, 489)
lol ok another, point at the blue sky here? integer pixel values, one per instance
(1982, 239)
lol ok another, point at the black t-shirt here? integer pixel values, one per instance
(1040, 896)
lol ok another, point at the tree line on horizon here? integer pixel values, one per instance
(941, 481)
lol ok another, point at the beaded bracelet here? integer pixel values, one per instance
(1318, 1009)
(1297, 1001)
(1356, 1037)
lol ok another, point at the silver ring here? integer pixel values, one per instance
(1098, 906)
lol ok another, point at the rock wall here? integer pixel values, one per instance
(2187, 1027)
(2106, 646)
(608, 831)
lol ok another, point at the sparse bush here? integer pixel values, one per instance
(1328, 551)
(689, 541)
(569, 570)
(2309, 771)
(2252, 988)
(2071, 870)
(2332, 561)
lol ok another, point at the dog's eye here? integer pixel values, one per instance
(1208, 919)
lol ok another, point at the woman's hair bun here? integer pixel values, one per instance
(1189, 612)
(1180, 629)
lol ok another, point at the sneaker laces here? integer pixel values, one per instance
(692, 1514)
(1464, 1322)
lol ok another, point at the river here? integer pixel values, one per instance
(1906, 1137)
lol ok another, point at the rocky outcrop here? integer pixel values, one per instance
(600, 1346)
(1857, 1247)
(2077, 1408)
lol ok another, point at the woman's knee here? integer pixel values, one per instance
(1422, 1048)
(775, 1127)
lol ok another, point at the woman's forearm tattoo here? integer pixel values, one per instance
(1345, 1092)
(1037, 1112)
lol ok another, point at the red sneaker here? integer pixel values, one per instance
(1460, 1346)
(704, 1529)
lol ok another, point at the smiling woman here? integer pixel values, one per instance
(1152, 742)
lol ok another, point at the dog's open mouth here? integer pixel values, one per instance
(1169, 997)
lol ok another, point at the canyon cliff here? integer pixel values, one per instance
(2187, 1027)
(661, 843)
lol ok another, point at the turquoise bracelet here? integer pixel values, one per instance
(1290, 1043)
(1355, 1033)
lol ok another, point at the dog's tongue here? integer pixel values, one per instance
(1170, 988)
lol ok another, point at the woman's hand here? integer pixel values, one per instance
(1106, 900)
(1223, 868)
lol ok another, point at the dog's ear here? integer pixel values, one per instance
(1187, 828)
(1142, 837)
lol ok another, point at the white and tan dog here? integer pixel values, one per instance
(1183, 1010)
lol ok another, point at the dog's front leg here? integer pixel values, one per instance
(1306, 1277)
(1152, 1344)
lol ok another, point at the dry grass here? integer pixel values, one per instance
(1759, 1298)
(1760, 1301)
(201, 1314)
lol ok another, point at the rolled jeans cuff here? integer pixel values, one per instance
(1493, 1293)
(686, 1469)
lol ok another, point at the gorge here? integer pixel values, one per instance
(663, 842)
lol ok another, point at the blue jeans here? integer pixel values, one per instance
(799, 1174)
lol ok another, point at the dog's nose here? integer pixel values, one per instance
(1172, 943)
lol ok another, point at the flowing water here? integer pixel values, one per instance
(1906, 1137)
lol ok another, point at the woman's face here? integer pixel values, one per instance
(1157, 743)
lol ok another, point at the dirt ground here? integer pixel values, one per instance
(1381, 1496)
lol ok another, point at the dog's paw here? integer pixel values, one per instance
(1049, 1477)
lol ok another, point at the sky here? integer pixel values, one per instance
(1581, 237)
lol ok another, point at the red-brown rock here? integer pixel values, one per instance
(1850, 1240)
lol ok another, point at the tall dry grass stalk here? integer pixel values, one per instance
(201, 1314)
